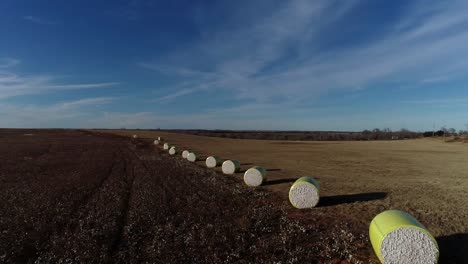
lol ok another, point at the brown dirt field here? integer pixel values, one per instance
(426, 177)
(83, 197)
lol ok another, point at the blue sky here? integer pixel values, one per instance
(289, 65)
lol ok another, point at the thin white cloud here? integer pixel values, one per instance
(89, 102)
(83, 86)
(175, 95)
(254, 61)
(439, 102)
(40, 20)
(64, 114)
(8, 62)
(13, 84)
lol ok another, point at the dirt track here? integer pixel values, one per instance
(72, 196)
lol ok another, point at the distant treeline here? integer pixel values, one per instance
(375, 134)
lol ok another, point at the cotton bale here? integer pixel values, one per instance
(192, 157)
(230, 166)
(213, 161)
(305, 193)
(255, 176)
(156, 142)
(172, 151)
(166, 146)
(398, 238)
(185, 154)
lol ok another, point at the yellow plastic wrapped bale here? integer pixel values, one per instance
(398, 238)
(213, 161)
(192, 157)
(305, 193)
(230, 166)
(185, 154)
(166, 146)
(255, 176)
(172, 151)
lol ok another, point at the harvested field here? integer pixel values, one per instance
(85, 197)
(428, 178)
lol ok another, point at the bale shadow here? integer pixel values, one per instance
(351, 198)
(453, 248)
(280, 181)
(246, 164)
(273, 169)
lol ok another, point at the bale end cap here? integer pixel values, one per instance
(255, 176)
(230, 166)
(304, 193)
(172, 151)
(397, 237)
(409, 245)
(212, 162)
(192, 157)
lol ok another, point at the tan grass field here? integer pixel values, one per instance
(426, 177)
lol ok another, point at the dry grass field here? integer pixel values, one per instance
(426, 177)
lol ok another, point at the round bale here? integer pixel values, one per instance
(213, 161)
(397, 237)
(156, 142)
(160, 139)
(230, 166)
(185, 154)
(172, 151)
(135, 136)
(192, 157)
(166, 146)
(304, 193)
(255, 176)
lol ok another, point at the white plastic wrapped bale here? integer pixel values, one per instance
(304, 193)
(230, 166)
(156, 142)
(172, 151)
(397, 237)
(166, 146)
(185, 154)
(255, 176)
(213, 161)
(160, 139)
(192, 157)
(135, 136)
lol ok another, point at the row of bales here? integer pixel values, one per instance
(396, 236)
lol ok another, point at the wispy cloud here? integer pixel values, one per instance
(439, 102)
(8, 62)
(276, 55)
(83, 86)
(40, 20)
(13, 84)
(89, 102)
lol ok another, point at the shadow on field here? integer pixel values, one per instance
(351, 198)
(280, 181)
(453, 248)
(273, 169)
